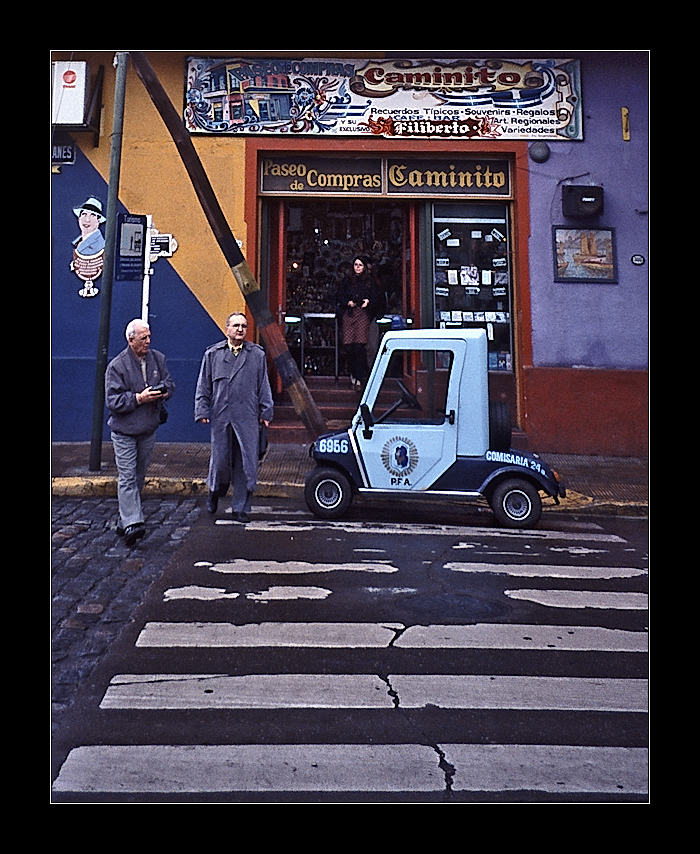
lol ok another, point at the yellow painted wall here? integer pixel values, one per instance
(154, 181)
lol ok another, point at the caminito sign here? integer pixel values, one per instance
(447, 98)
(376, 176)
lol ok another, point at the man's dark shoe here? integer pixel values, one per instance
(133, 533)
(241, 516)
(212, 502)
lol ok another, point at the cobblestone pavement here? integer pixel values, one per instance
(97, 582)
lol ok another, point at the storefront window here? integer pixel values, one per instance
(472, 274)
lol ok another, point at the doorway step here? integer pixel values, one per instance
(336, 400)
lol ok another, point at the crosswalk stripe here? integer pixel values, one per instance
(268, 691)
(362, 691)
(383, 635)
(295, 567)
(208, 594)
(507, 636)
(335, 635)
(547, 570)
(548, 768)
(267, 567)
(583, 599)
(417, 529)
(520, 692)
(180, 769)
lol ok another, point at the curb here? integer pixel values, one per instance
(106, 487)
(575, 502)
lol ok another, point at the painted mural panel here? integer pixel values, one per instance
(89, 246)
(430, 99)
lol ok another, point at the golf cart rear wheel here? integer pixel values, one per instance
(328, 493)
(516, 504)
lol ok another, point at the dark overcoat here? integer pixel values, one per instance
(233, 390)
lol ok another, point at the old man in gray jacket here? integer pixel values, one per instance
(137, 381)
(233, 394)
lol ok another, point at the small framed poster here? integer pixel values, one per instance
(584, 254)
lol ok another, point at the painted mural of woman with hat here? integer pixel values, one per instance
(88, 249)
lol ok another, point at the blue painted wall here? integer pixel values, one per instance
(180, 327)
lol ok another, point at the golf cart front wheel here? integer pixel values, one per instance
(516, 504)
(328, 493)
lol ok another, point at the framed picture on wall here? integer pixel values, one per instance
(584, 254)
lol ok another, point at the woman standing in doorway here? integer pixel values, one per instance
(354, 309)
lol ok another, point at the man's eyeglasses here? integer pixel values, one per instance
(238, 326)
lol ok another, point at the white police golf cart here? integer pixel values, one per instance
(424, 428)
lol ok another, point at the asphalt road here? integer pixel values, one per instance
(403, 655)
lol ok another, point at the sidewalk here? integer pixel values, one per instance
(617, 485)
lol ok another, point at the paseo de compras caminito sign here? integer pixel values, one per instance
(376, 176)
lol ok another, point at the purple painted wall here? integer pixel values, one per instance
(596, 325)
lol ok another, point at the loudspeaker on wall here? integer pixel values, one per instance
(578, 200)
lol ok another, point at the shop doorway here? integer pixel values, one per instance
(321, 238)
